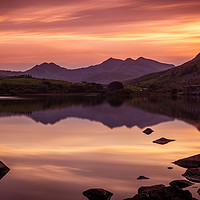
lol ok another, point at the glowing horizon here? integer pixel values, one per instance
(81, 33)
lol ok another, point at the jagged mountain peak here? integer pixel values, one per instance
(129, 60)
(111, 59)
(46, 64)
(141, 58)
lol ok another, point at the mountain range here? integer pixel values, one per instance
(187, 74)
(104, 73)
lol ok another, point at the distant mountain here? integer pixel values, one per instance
(187, 74)
(106, 72)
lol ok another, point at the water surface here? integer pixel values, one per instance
(58, 147)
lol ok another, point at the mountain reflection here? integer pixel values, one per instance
(141, 112)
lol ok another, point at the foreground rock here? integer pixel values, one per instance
(97, 194)
(181, 183)
(3, 170)
(148, 131)
(192, 174)
(198, 191)
(163, 141)
(142, 177)
(190, 162)
(161, 192)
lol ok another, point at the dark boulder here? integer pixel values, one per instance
(189, 162)
(148, 131)
(181, 183)
(160, 192)
(3, 170)
(97, 194)
(163, 141)
(192, 174)
(151, 189)
(198, 191)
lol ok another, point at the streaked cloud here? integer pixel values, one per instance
(61, 28)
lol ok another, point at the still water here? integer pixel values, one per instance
(58, 147)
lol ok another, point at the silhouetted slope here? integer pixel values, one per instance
(47, 70)
(106, 72)
(183, 75)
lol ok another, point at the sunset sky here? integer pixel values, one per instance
(75, 33)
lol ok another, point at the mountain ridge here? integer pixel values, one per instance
(183, 75)
(112, 69)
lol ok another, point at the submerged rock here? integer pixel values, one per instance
(181, 183)
(192, 174)
(3, 170)
(161, 192)
(163, 141)
(97, 194)
(148, 131)
(142, 177)
(189, 162)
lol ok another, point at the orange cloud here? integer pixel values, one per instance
(69, 32)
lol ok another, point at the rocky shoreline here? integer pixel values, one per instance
(155, 192)
(174, 191)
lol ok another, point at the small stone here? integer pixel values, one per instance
(181, 183)
(148, 131)
(170, 168)
(97, 194)
(163, 141)
(142, 177)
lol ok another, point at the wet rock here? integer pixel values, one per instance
(3, 170)
(142, 177)
(148, 131)
(198, 191)
(170, 168)
(163, 141)
(148, 192)
(192, 174)
(151, 189)
(181, 183)
(97, 194)
(161, 192)
(189, 162)
(175, 193)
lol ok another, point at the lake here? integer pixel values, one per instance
(57, 147)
